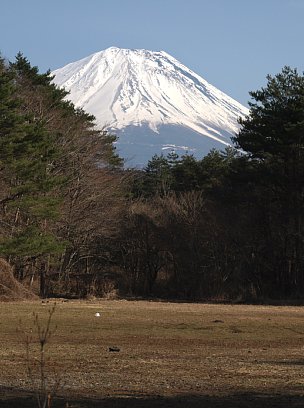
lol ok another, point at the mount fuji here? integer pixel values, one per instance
(152, 102)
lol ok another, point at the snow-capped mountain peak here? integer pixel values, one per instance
(152, 91)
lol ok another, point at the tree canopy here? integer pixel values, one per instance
(227, 226)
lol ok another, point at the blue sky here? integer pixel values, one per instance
(233, 44)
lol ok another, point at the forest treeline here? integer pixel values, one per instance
(74, 222)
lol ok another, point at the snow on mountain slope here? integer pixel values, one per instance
(143, 95)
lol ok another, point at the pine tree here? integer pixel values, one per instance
(158, 177)
(27, 154)
(273, 137)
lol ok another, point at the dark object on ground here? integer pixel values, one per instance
(114, 349)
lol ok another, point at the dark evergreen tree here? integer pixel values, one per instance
(273, 137)
(157, 178)
(186, 174)
(27, 153)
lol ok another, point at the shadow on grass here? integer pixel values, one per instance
(10, 398)
(299, 362)
(291, 362)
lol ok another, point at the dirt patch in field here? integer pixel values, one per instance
(10, 288)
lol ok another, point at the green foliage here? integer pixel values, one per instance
(276, 121)
(165, 174)
(159, 178)
(27, 154)
(31, 241)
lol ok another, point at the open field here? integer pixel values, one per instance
(171, 354)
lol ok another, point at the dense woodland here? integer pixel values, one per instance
(74, 222)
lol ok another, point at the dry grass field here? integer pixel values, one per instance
(171, 354)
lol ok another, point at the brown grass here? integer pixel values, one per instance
(10, 288)
(167, 352)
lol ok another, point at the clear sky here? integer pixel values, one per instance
(233, 44)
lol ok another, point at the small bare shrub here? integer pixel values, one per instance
(38, 360)
(109, 290)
